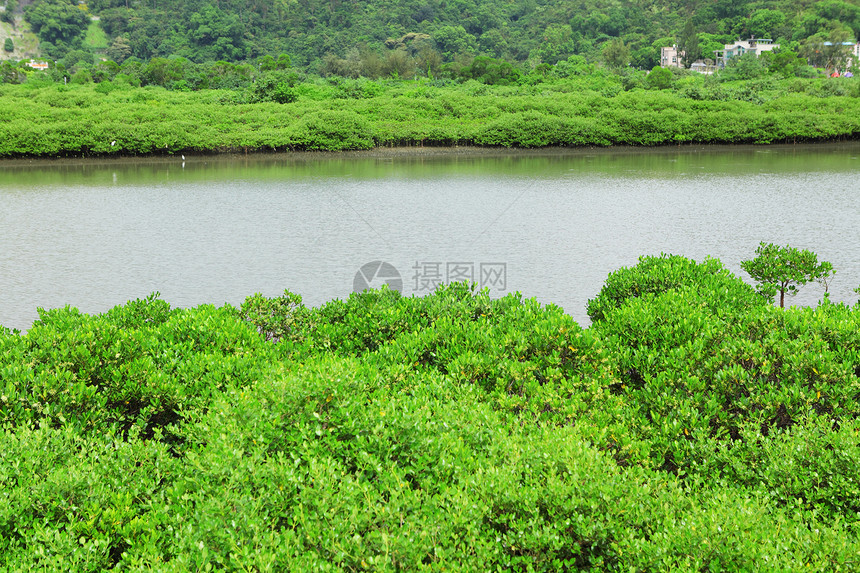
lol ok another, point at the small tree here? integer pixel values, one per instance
(659, 79)
(275, 86)
(119, 50)
(688, 43)
(616, 54)
(8, 45)
(785, 63)
(8, 15)
(747, 66)
(783, 269)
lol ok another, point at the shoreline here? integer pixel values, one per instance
(425, 152)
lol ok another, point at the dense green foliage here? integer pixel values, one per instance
(573, 105)
(693, 427)
(418, 33)
(61, 26)
(654, 275)
(462, 92)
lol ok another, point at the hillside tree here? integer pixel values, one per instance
(616, 54)
(688, 43)
(60, 25)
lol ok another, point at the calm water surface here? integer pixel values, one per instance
(94, 234)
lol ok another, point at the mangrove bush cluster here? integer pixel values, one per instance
(693, 427)
(596, 109)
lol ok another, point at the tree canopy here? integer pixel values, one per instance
(537, 31)
(60, 25)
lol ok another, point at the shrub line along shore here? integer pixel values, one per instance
(87, 120)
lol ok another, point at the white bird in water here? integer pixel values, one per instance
(183, 158)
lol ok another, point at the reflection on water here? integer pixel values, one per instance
(94, 234)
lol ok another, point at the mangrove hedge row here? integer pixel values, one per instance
(116, 119)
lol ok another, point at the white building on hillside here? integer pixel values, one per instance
(741, 47)
(670, 57)
(38, 65)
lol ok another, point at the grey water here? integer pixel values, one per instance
(550, 224)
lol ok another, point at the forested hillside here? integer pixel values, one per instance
(356, 36)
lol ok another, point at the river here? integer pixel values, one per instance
(550, 224)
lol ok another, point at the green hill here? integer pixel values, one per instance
(321, 34)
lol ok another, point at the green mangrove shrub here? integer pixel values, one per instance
(658, 274)
(692, 427)
(783, 269)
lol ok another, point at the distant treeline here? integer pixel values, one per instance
(182, 74)
(426, 33)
